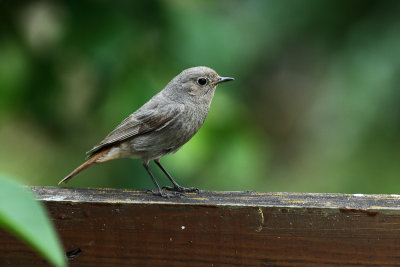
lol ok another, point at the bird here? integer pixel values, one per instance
(161, 126)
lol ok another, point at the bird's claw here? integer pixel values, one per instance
(181, 189)
(164, 194)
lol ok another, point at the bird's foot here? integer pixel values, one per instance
(164, 194)
(181, 189)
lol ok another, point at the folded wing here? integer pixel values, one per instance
(149, 118)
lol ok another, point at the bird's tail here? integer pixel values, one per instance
(93, 160)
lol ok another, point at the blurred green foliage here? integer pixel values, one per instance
(315, 105)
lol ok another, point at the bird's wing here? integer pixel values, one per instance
(147, 119)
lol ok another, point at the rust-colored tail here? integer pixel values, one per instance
(84, 166)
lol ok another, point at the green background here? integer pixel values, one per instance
(314, 107)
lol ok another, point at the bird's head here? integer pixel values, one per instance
(196, 84)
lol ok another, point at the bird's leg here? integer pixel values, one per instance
(176, 187)
(158, 192)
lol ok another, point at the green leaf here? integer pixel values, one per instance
(22, 215)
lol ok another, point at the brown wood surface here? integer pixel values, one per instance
(110, 227)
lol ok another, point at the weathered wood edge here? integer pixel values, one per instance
(344, 202)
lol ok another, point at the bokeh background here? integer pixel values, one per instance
(315, 106)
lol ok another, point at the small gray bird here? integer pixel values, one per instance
(161, 126)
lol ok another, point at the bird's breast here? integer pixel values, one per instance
(172, 136)
(193, 118)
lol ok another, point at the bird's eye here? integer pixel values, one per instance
(202, 81)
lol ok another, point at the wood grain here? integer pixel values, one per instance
(110, 227)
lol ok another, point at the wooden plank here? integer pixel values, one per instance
(110, 227)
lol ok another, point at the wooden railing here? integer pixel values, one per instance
(111, 227)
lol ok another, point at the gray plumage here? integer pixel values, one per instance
(162, 125)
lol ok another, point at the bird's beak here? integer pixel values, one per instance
(222, 80)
